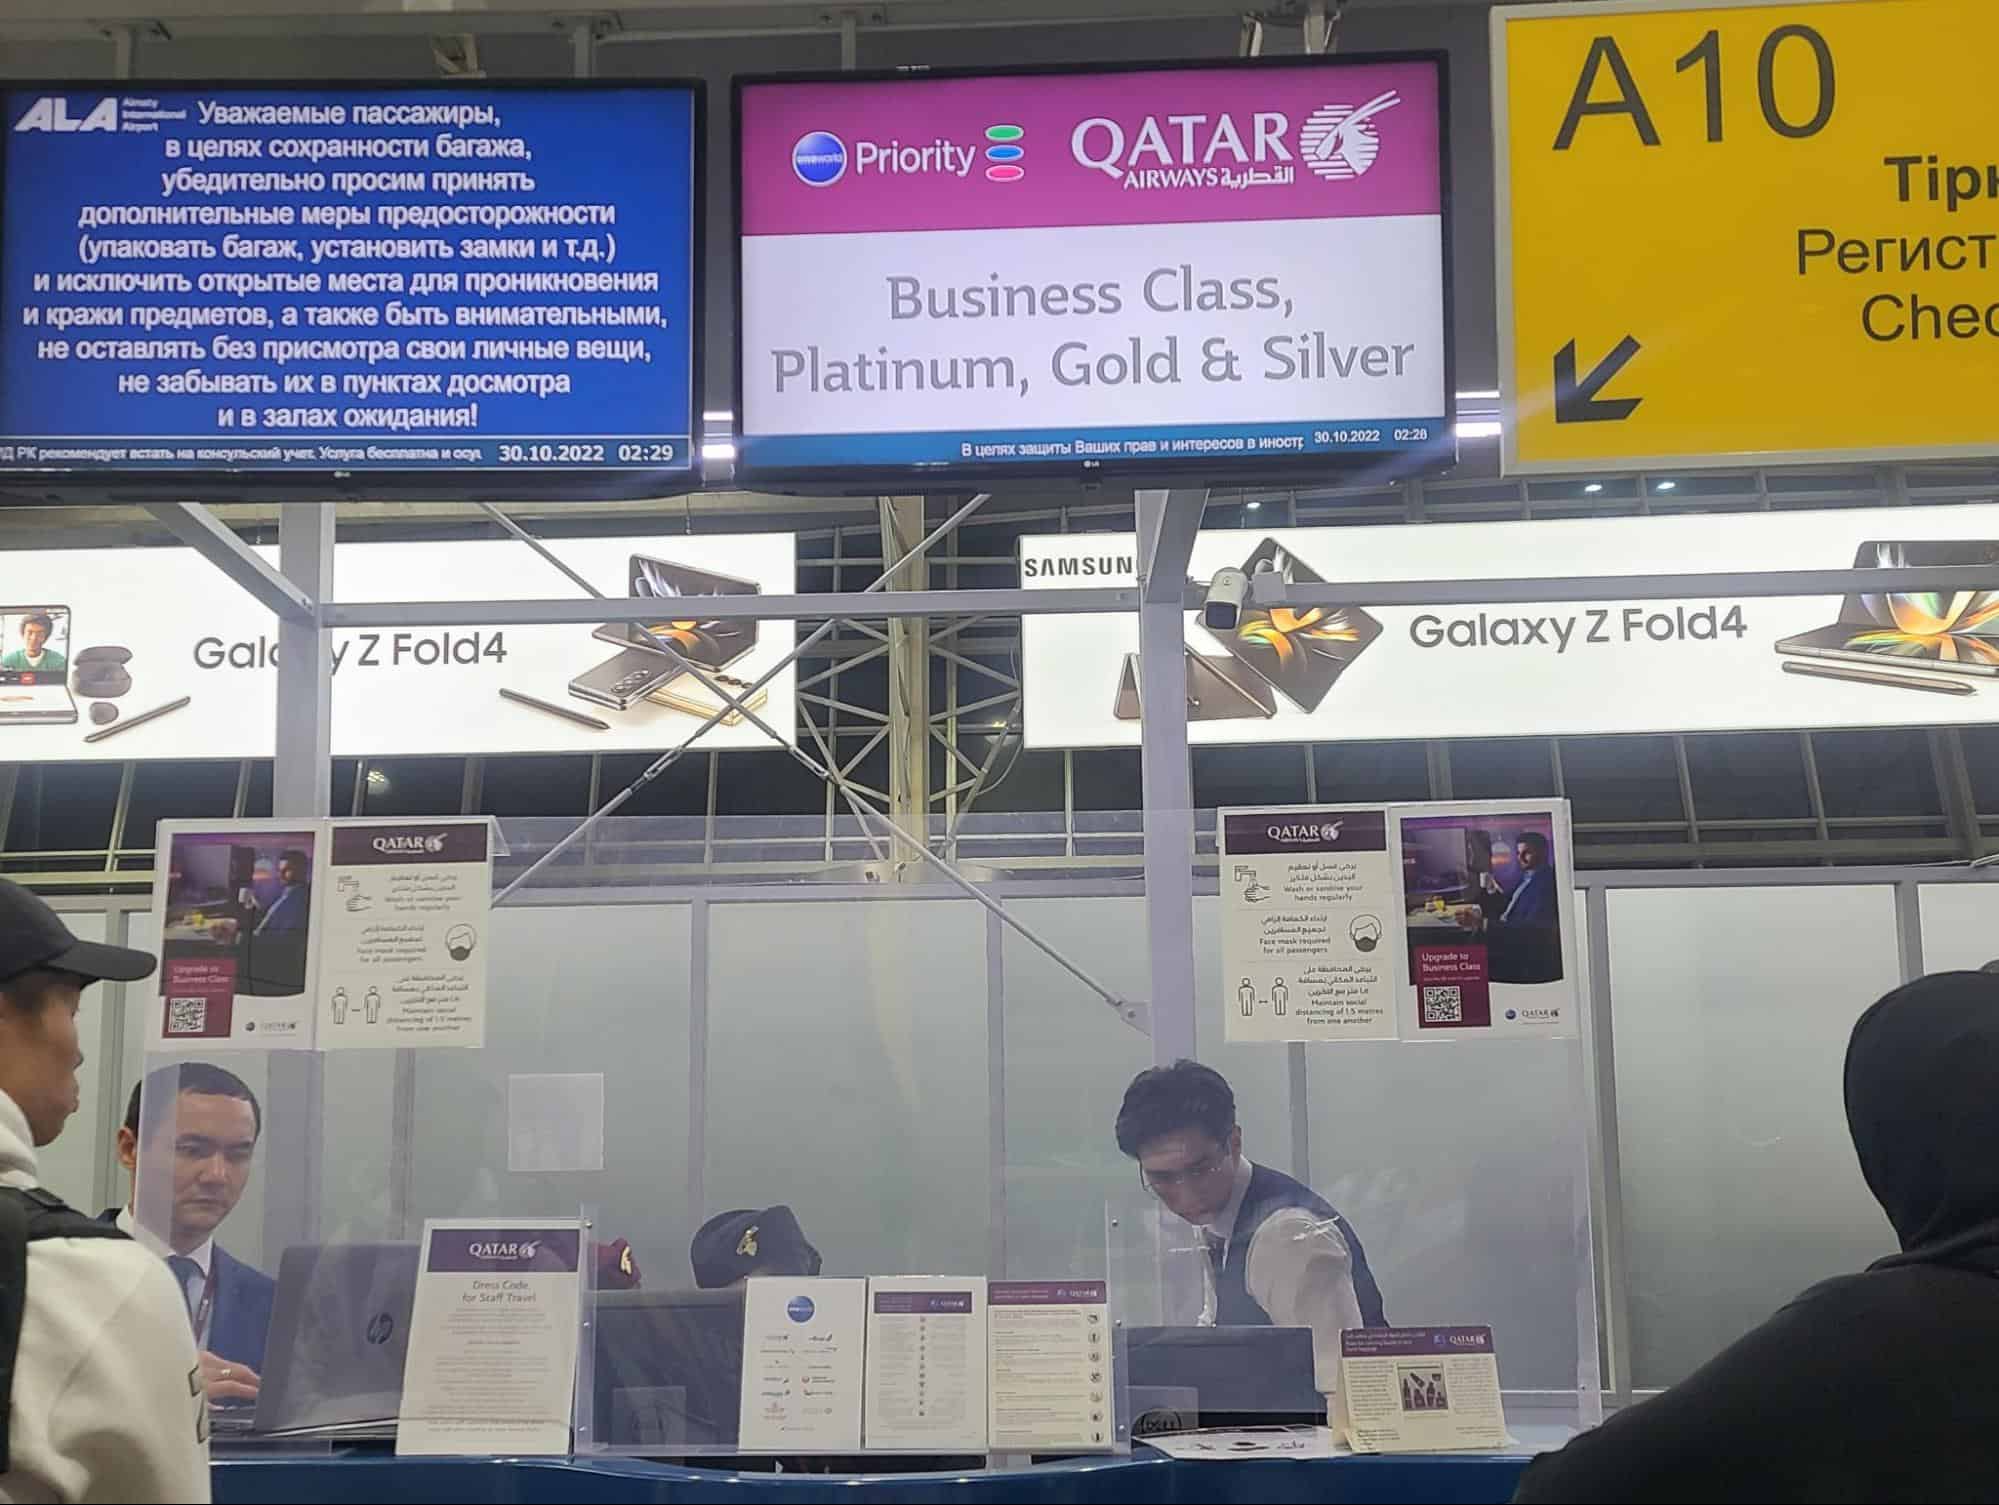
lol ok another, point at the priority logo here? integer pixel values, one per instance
(820, 159)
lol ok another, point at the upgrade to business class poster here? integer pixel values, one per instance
(1215, 266)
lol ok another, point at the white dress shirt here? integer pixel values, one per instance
(204, 1261)
(1298, 1269)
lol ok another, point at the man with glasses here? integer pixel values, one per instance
(1278, 1253)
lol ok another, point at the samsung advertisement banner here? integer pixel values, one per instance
(148, 653)
(1353, 674)
(1195, 269)
(331, 283)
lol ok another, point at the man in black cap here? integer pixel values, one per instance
(1877, 1386)
(106, 1401)
(733, 1246)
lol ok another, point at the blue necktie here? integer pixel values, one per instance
(187, 1272)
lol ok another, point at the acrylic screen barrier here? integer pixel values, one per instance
(1727, 1002)
(1732, 1008)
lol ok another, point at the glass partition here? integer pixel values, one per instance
(930, 1093)
(1732, 1010)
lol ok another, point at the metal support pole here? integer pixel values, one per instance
(1167, 523)
(908, 676)
(302, 775)
(301, 785)
(583, 48)
(1960, 806)
(1606, 1167)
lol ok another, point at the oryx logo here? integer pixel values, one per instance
(51, 113)
(1340, 142)
(819, 158)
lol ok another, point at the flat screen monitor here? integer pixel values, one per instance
(349, 290)
(1214, 271)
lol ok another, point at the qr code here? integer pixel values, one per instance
(187, 1016)
(1444, 1005)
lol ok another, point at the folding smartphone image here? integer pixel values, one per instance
(1218, 689)
(1948, 632)
(1299, 652)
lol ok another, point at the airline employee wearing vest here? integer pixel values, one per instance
(1278, 1253)
(105, 1401)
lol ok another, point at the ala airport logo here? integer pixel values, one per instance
(1338, 142)
(51, 113)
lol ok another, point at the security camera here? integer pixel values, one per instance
(1222, 608)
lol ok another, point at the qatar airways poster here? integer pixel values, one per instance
(1205, 267)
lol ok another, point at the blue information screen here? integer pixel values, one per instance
(347, 280)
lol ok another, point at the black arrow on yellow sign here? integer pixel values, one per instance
(1577, 402)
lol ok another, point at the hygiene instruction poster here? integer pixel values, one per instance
(1414, 921)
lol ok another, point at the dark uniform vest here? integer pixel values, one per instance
(1271, 1192)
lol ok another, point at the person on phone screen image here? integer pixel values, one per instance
(1522, 929)
(34, 655)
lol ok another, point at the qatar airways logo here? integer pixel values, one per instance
(520, 1251)
(1337, 142)
(1329, 831)
(391, 846)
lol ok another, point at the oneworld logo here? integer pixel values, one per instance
(1340, 142)
(390, 846)
(51, 113)
(819, 158)
(505, 1251)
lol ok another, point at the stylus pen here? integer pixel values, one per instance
(139, 720)
(1883, 677)
(556, 710)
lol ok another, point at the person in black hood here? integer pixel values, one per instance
(1879, 1386)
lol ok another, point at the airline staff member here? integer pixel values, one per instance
(189, 1139)
(1278, 1253)
(106, 1402)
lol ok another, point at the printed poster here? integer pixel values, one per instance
(493, 1338)
(236, 905)
(315, 934)
(403, 961)
(925, 1387)
(802, 1350)
(1419, 1389)
(1488, 906)
(1309, 924)
(1048, 1383)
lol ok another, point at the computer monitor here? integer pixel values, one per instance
(668, 1369)
(1186, 1377)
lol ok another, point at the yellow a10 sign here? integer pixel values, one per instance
(1746, 233)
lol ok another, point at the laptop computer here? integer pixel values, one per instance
(339, 1335)
(34, 666)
